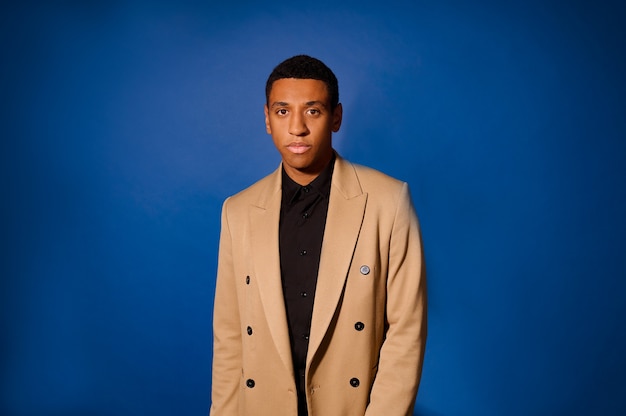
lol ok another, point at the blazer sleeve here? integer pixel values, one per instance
(402, 353)
(227, 347)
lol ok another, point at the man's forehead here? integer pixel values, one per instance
(301, 91)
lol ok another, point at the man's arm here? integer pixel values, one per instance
(402, 353)
(227, 348)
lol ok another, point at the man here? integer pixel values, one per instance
(320, 302)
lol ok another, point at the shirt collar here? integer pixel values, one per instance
(320, 185)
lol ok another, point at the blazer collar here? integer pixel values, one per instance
(344, 181)
(346, 209)
(343, 224)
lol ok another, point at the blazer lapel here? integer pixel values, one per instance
(343, 223)
(264, 219)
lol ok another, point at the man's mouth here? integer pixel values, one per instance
(298, 148)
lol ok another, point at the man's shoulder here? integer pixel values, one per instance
(253, 192)
(383, 191)
(373, 179)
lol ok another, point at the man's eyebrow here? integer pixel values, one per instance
(279, 104)
(308, 103)
(320, 103)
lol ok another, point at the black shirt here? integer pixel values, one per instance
(302, 222)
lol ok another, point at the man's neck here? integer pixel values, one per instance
(305, 177)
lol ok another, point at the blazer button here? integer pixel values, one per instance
(249, 331)
(250, 383)
(365, 270)
(359, 326)
(354, 382)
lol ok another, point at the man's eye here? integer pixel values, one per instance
(313, 111)
(281, 111)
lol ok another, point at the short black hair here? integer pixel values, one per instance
(305, 67)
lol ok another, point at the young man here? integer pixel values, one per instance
(320, 302)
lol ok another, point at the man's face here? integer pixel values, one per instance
(301, 123)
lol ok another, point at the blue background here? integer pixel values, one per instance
(124, 126)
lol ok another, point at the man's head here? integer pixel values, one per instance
(301, 117)
(305, 67)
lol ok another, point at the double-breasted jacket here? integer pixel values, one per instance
(368, 328)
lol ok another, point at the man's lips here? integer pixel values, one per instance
(298, 148)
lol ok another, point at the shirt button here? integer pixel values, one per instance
(306, 189)
(365, 269)
(249, 331)
(305, 215)
(303, 294)
(305, 336)
(359, 326)
(303, 253)
(354, 382)
(250, 383)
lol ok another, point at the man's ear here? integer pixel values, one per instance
(268, 129)
(337, 116)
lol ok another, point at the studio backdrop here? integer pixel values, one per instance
(125, 125)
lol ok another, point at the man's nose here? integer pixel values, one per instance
(297, 126)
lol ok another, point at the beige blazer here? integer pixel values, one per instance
(368, 329)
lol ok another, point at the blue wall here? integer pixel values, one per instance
(125, 125)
